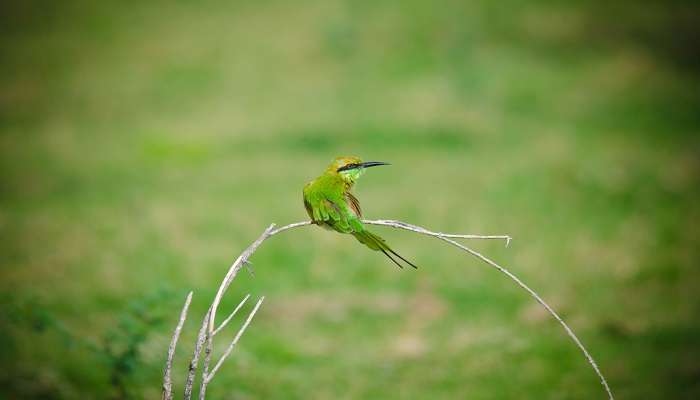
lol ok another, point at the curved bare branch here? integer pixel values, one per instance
(207, 329)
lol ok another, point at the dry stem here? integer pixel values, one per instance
(201, 337)
(441, 236)
(235, 340)
(167, 381)
(226, 321)
(207, 330)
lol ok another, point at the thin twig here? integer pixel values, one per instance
(419, 229)
(201, 336)
(205, 365)
(209, 348)
(233, 270)
(235, 340)
(290, 226)
(446, 238)
(226, 321)
(542, 302)
(167, 381)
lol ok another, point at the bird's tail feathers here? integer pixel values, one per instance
(376, 243)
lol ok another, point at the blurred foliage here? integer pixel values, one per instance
(121, 347)
(150, 142)
(118, 349)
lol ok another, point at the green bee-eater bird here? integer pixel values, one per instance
(331, 205)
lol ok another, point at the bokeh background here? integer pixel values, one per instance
(143, 145)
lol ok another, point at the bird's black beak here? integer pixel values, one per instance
(362, 165)
(371, 164)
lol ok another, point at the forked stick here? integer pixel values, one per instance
(207, 330)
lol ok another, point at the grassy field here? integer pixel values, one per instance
(144, 145)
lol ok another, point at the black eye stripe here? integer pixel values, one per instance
(347, 167)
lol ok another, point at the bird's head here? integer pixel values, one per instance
(351, 168)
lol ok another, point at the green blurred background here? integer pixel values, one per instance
(143, 145)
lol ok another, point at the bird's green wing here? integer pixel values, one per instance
(336, 215)
(318, 207)
(330, 208)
